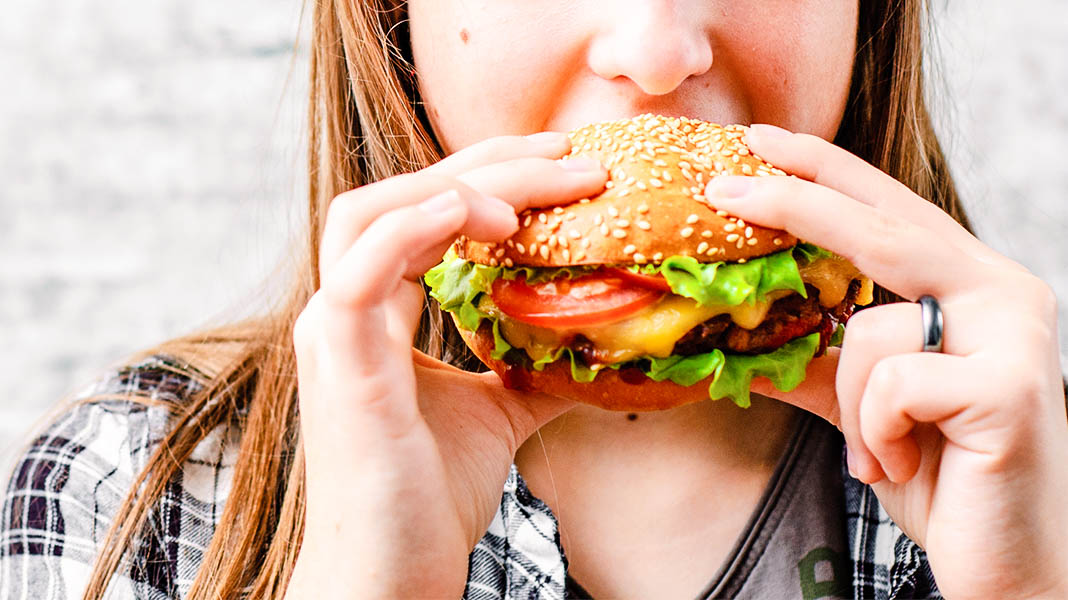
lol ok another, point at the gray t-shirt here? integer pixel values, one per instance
(794, 545)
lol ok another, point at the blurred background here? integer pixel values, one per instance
(151, 167)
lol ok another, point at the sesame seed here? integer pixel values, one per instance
(741, 261)
(623, 223)
(557, 210)
(752, 241)
(598, 219)
(747, 170)
(706, 233)
(702, 247)
(583, 201)
(544, 253)
(660, 162)
(574, 233)
(542, 218)
(500, 252)
(619, 234)
(521, 248)
(585, 242)
(580, 255)
(629, 249)
(656, 183)
(604, 229)
(643, 208)
(552, 242)
(659, 256)
(609, 184)
(691, 219)
(741, 223)
(721, 213)
(729, 227)
(748, 232)
(666, 177)
(639, 257)
(508, 263)
(493, 262)
(541, 238)
(567, 255)
(641, 186)
(686, 232)
(732, 236)
(741, 242)
(644, 225)
(563, 240)
(527, 220)
(612, 212)
(777, 242)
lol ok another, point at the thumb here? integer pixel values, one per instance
(815, 394)
(527, 411)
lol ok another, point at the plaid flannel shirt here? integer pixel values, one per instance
(67, 487)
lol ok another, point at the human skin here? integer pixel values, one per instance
(973, 468)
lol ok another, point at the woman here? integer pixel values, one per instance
(359, 468)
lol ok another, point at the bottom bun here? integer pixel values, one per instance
(608, 391)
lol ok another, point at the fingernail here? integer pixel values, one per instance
(851, 463)
(441, 203)
(500, 205)
(547, 137)
(728, 186)
(771, 131)
(579, 163)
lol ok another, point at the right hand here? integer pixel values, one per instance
(405, 456)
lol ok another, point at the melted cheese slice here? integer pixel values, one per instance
(654, 330)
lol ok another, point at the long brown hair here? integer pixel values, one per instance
(366, 123)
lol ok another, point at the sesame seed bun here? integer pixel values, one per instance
(653, 205)
(609, 391)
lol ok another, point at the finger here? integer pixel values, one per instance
(547, 144)
(522, 182)
(896, 253)
(817, 160)
(870, 336)
(399, 245)
(907, 389)
(537, 182)
(353, 211)
(815, 394)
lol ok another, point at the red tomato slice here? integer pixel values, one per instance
(600, 297)
(656, 282)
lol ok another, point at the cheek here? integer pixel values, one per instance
(799, 79)
(469, 80)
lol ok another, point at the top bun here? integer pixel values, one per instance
(653, 205)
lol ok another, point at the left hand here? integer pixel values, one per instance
(966, 449)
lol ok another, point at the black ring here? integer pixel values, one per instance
(931, 314)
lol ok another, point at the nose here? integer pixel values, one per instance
(657, 44)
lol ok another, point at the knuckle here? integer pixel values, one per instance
(888, 233)
(304, 326)
(347, 207)
(885, 378)
(863, 329)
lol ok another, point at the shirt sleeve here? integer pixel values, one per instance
(62, 497)
(70, 481)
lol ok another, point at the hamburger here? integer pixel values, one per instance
(646, 296)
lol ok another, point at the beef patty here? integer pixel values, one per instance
(788, 318)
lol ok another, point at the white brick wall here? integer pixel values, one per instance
(150, 167)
